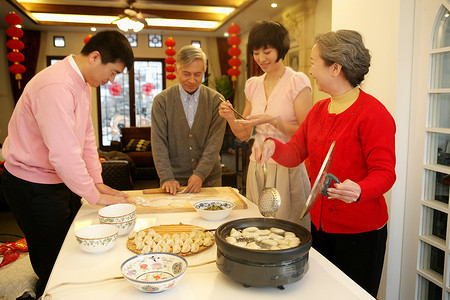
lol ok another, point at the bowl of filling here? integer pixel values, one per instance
(154, 272)
(213, 210)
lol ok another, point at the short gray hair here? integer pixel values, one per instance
(188, 54)
(345, 47)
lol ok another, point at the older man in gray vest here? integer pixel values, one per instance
(187, 130)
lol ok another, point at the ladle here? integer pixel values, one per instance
(269, 199)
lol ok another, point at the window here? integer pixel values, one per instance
(59, 41)
(128, 100)
(197, 44)
(132, 38)
(433, 264)
(53, 59)
(155, 41)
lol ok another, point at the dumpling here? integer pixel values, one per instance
(253, 245)
(165, 248)
(184, 236)
(139, 245)
(132, 235)
(175, 236)
(230, 239)
(176, 248)
(147, 249)
(157, 237)
(156, 248)
(207, 241)
(277, 230)
(142, 234)
(186, 248)
(235, 233)
(194, 248)
(289, 234)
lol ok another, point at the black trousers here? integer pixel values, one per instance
(44, 213)
(359, 255)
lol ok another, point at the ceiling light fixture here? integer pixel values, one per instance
(274, 5)
(131, 20)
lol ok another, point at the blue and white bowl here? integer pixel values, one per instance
(122, 215)
(202, 208)
(154, 272)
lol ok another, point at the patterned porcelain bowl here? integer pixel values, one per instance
(124, 227)
(97, 238)
(213, 210)
(117, 213)
(122, 215)
(154, 272)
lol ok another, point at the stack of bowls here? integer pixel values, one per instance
(122, 215)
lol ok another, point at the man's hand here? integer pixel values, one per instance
(110, 196)
(194, 184)
(171, 186)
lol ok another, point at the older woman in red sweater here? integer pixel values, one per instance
(349, 227)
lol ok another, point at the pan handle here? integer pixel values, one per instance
(328, 180)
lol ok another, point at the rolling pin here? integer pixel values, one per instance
(161, 191)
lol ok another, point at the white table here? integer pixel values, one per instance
(322, 281)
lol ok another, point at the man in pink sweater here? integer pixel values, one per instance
(51, 153)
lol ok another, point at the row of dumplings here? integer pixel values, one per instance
(184, 242)
(263, 239)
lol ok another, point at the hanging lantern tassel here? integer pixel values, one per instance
(15, 45)
(234, 40)
(170, 61)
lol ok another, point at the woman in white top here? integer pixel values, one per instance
(276, 104)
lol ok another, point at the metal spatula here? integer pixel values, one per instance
(269, 199)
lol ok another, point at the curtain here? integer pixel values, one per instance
(32, 41)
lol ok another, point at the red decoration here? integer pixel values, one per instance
(13, 19)
(234, 52)
(115, 89)
(86, 39)
(15, 44)
(170, 61)
(15, 33)
(171, 76)
(148, 88)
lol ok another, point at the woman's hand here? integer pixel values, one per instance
(264, 151)
(347, 191)
(226, 110)
(254, 120)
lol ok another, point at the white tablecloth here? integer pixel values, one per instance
(322, 281)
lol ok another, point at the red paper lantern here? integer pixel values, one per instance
(15, 57)
(15, 44)
(170, 69)
(234, 29)
(234, 62)
(170, 42)
(147, 89)
(115, 89)
(234, 51)
(14, 32)
(86, 39)
(234, 40)
(170, 61)
(13, 19)
(17, 69)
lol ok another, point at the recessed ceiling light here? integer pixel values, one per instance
(93, 29)
(226, 34)
(273, 5)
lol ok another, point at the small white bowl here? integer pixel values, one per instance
(124, 227)
(154, 272)
(122, 215)
(117, 213)
(97, 238)
(205, 209)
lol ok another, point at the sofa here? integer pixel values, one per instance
(135, 142)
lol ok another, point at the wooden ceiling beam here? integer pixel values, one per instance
(114, 11)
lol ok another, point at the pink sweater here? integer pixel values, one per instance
(50, 134)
